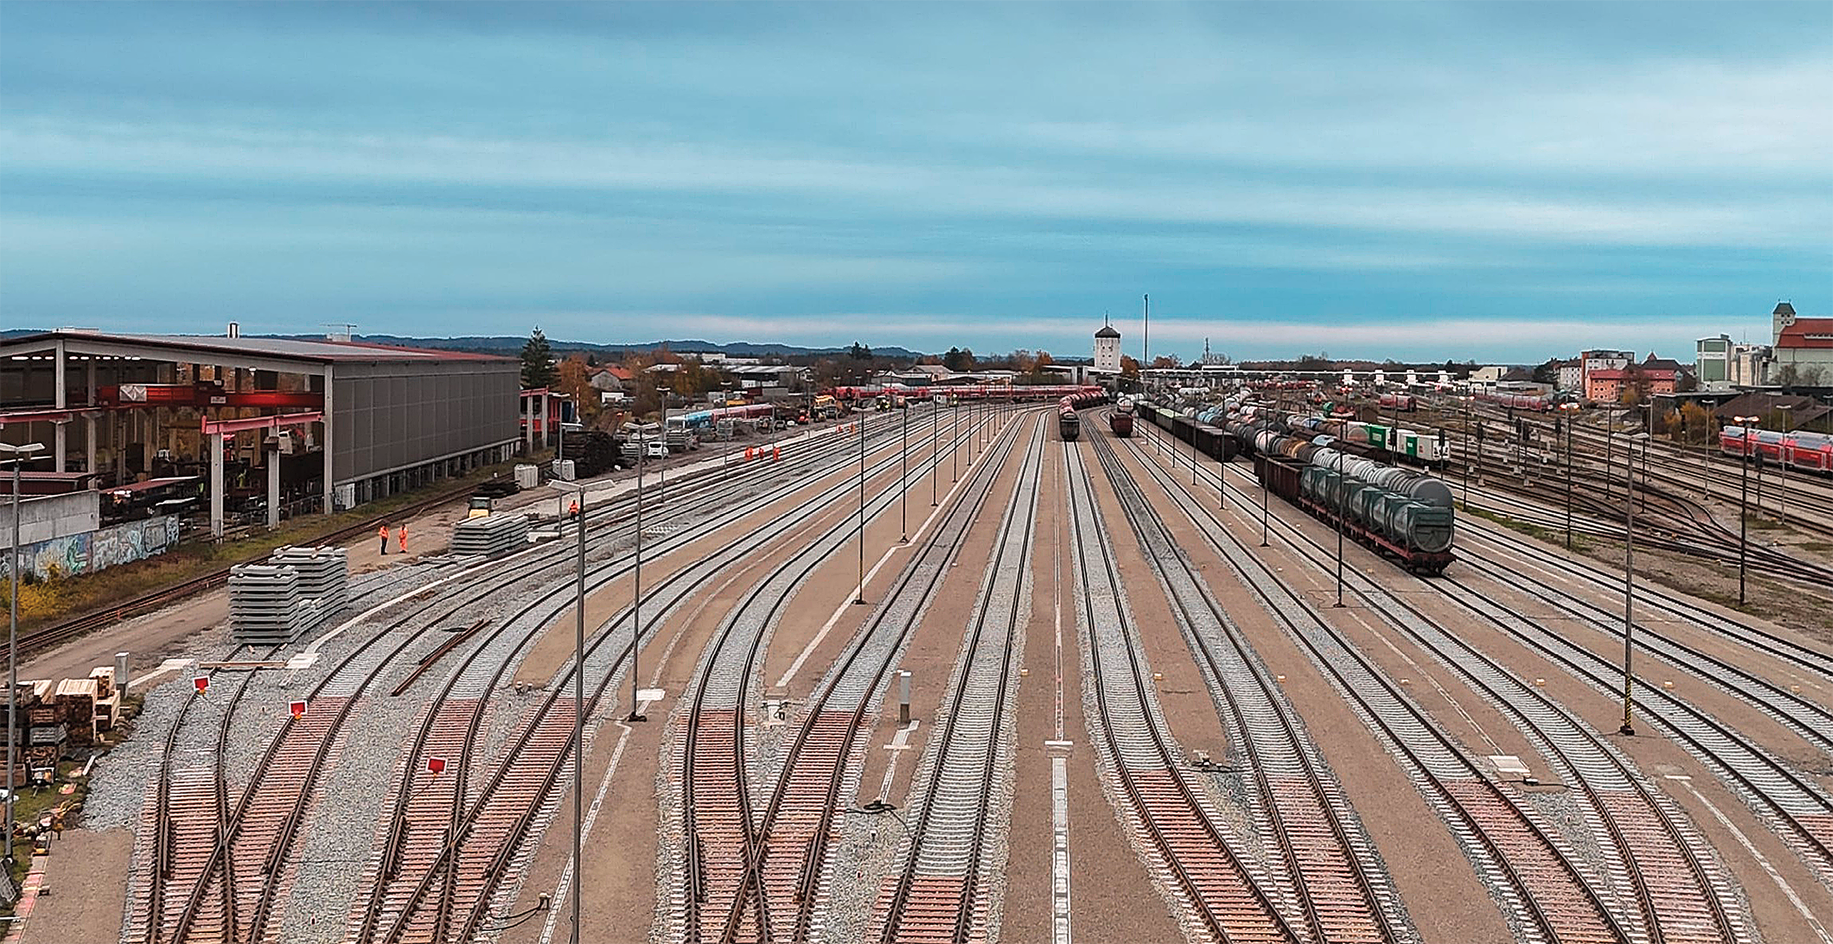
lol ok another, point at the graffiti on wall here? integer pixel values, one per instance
(81, 553)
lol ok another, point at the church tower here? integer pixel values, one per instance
(1107, 350)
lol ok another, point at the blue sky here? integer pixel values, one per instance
(1501, 182)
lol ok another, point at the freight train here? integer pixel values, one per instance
(1539, 403)
(1811, 452)
(1380, 441)
(1069, 425)
(1022, 393)
(1400, 513)
(1191, 427)
(1120, 420)
(1393, 522)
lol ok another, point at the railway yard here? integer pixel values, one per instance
(1017, 670)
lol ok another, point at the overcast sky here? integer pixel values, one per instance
(1408, 181)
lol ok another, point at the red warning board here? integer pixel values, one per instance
(202, 682)
(436, 764)
(299, 709)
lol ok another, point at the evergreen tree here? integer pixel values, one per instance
(537, 362)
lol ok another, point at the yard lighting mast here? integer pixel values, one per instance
(903, 482)
(1342, 501)
(20, 456)
(1628, 727)
(1788, 423)
(861, 597)
(1743, 496)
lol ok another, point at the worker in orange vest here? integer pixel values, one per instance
(383, 531)
(404, 537)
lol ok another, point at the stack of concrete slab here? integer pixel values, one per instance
(324, 574)
(266, 606)
(490, 535)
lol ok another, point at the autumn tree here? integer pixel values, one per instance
(1128, 365)
(1166, 361)
(575, 380)
(1689, 424)
(959, 359)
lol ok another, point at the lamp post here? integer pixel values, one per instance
(1628, 727)
(20, 456)
(1743, 496)
(579, 689)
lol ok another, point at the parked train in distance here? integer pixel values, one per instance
(1120, 419)
(1069, 423)
(1812, 452)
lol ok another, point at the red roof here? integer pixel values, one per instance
(1807, 332)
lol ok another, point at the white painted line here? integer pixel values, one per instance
(1059, 853)
(565, 884)
(168, 666)
(845, 605)
(899, 742)
(1762, 860)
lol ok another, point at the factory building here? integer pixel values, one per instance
(259, 426)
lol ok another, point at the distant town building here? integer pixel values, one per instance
(1606, 386)
(1571, 375)
(1712, 361)
(1590, 362)
(1486, 376)
(1107, 350)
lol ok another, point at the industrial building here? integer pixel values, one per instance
(255, 425)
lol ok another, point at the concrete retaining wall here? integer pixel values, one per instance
(94, 550)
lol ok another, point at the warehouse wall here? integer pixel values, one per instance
(395, 415)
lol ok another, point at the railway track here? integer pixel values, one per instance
(1791, 804)
(822, 761)
(1657, 876)
(727, 892)
(1216, 895)
(1527, 865)
(265, 819)
(1330, 868)
(949, 885)
(438, 869)
(188, 811)
(1810, 720)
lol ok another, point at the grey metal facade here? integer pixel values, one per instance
(389, 415)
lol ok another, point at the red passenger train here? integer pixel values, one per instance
(1812, 452)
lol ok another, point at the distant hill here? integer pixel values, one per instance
(511, 345)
